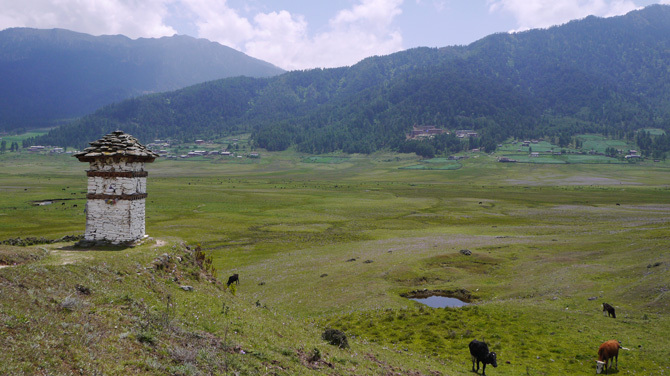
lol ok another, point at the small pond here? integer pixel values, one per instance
(440, 302)
(441, 298)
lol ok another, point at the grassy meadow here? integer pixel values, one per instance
(333, 242)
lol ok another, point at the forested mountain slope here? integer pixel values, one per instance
(48, 75)
(593, 75)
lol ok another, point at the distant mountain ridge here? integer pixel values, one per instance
(595, 75)
(55, 74)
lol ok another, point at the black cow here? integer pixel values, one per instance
(235, 278)
(480, 353)
(609, 309)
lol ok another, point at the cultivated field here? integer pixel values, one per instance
(333, 242)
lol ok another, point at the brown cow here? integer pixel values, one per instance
(606, 352)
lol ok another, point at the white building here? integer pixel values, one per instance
(117, 184)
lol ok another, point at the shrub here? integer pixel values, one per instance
(336, 338)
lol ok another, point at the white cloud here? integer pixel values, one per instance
(376, 13)
(364, 30)
(544, 13)
(283, 39)
(132, 18)
(279, 38)
(218, 22)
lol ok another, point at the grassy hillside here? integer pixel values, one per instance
(319, 244)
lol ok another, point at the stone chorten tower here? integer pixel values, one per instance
(117, 186)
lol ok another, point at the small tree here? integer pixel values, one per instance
(3, 147)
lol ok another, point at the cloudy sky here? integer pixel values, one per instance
(300, 34)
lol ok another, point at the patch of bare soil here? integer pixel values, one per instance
(69, 257)
(431, 243)
(159, 243)
(572, 180)
(313, 360)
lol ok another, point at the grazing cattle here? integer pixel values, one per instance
(480, 353)
(606, 352)
(235, 278)
(609, 309)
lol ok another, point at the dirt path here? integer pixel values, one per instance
(67, 256)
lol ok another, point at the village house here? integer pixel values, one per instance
(157, 144)
(195, 153)
(466, 133)
(424, 131)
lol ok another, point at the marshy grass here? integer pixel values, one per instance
(336, 245)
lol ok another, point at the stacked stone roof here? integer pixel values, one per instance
(116, 145)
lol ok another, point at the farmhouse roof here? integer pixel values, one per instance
(116, 145)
